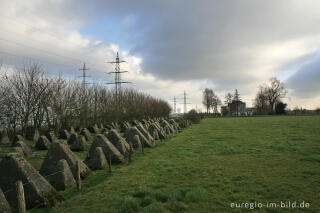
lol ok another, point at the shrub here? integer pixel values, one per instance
(193, 116)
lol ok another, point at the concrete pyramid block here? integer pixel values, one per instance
(51, 136)
(73, 137)
(108, 149)
(85, 132)
(136, 140)
(119, 142)
(58, 151)
(64, 134)
(98, 159)
(131, 132)
(63, 177)
(174, 124)
(27, 151)
(17, 150)
(17, 138)
(165, 123)
(4, 205)
(146, 134)
(43, 143)
(72, 130)
(94, 129)
(80, 144)
(154, 131)
(37, 190)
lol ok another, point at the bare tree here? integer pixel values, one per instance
(269, 95)
(260, 102)
(207, 98)
(24, 89)
(216, 101)
(228, 98)
(28, 98)
(274, 92)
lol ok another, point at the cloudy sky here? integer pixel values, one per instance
(171, 46)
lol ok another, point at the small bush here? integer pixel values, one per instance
(193, 116)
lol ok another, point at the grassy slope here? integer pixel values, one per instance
(209, 165)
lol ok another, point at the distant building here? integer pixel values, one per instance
(237, 108)
(224, 110)
(251, 111)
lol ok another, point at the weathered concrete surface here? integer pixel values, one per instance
(64, 134)
(43, 143)
(51, 136)
(27, 151)
(37, 190)
(108, 149)
(63, 177)
(130, 134)
(60, 151)
(80, 144)
(119, 142)
(17, 138)
(4, 205)
(98, 159)
(85, 132)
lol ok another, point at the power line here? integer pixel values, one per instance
(174, 104)
(117, 77)
(50, 62)
(54, 35)
(36, 41)
(36, 59)
(185, 101)
(29, 38)
(84, 76)
(38, 49)
(44, 51)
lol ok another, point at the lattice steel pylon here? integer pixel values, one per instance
(185, 101)
(117, 78)
(174, 104)
(84, 76)
(83, 95)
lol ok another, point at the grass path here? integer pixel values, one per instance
(210, 165)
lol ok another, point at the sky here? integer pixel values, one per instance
(171, 46)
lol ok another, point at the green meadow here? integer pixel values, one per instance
(209, 166)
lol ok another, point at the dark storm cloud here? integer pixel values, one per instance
(219, 40)
(305, 82)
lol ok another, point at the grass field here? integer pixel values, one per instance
(211, 165)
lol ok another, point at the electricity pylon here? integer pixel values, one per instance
(117, 79)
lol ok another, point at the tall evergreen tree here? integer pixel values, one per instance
(236, 100)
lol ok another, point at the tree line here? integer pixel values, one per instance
(210, 100)
(29, 98)
(269, 97)
(268, 100)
